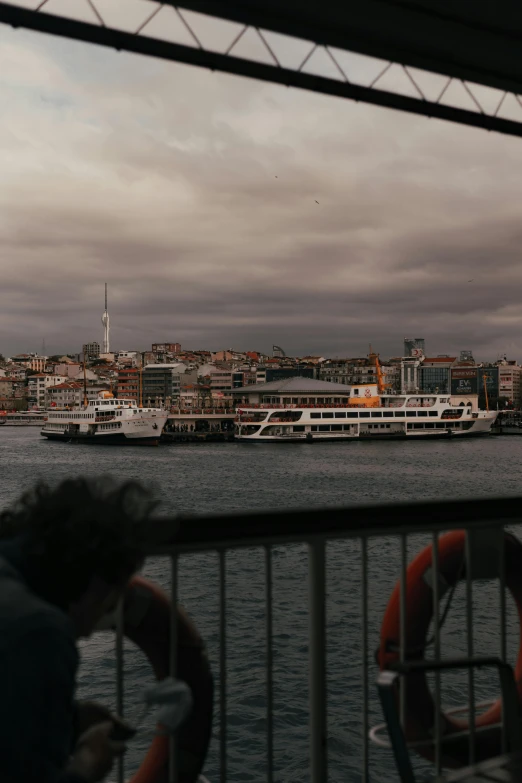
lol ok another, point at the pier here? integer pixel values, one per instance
(198, 425)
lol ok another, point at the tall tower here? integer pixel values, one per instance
(105, 322)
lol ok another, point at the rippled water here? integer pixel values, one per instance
(220, 477)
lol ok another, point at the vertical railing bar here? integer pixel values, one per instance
(119, 678)
(469, 630)
(403, 629)
(173, 761)
(317, 601)
(269, 667)
(503, 637)
(364, 633)
(436, 626)
(222, 669)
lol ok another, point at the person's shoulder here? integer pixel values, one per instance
(23, 613)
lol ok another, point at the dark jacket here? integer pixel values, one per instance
(38, 665)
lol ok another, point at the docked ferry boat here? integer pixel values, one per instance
(107, 420)
(22, 419)
(365, 414)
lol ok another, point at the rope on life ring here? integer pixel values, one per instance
(420, 705)
(147, 623)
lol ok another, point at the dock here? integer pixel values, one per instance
(212, 425)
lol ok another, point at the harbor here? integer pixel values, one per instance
(194, 482)
(320, 555)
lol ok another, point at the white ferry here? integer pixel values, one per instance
(364, 414)
(107, 420)
(22, 419)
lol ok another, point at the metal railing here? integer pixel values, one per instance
(319, 530)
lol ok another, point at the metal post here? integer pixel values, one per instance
(119, 678)
(222, 670)
(364, 633)
(503, 641)
(173, 765)
(436, 626)
(269, 668)
(318, 744)
(402, 629)
(469, 631)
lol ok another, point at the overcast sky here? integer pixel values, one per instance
(193, 194)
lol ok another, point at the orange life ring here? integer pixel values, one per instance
(420, 707)
(147, 624)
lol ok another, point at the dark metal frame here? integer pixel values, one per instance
(279, 527)
(387, 683)
(228, 63)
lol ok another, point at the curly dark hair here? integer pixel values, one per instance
(80, 529)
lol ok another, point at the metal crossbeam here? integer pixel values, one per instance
(343, 87)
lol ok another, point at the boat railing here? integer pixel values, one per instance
(339, 558)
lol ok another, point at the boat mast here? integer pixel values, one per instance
(85, 403)
(484, 377)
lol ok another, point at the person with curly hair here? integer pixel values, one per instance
(66, 556)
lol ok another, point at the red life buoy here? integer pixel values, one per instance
(420, 706)
(147, 624)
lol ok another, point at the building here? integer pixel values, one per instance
(434, 374)
(128, 384)
(91, 351)
(165, 348)
(243, 378)
(414, 347)
(128, 358)
(6, 389)
(410, 374)
(69, 369)
(38, 385)
(161, 383)
(65, 395)
(510, 383)
(71, 394)
(470, 383)
(293, 391)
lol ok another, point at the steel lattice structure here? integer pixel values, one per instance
(468, 48)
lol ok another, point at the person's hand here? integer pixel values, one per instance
(95, 752)
(90, 713)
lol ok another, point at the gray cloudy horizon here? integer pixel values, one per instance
(193, 195)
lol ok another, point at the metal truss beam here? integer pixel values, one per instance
(228, 63)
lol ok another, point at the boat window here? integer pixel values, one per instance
(337, 427)
(352, 415)
(313, 428)
(285, 416)
(324, 428)
(346, 426)
(418, 426)
(340, 415)
(452, 413)
(299, 428)
(433, 413)
(422, 413)
(315, 415)
(399, 414)
(376, 415)
(411, 413)
(430, 426)
(328, 415)
(364, 415)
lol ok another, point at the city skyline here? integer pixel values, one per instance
(223, 212)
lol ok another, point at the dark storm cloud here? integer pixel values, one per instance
(225, 213)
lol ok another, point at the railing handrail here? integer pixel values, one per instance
(193, 532)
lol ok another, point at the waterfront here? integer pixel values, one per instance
(216, 477)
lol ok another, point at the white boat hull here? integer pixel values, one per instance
(336, 422)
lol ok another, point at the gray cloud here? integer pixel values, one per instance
(194, 194)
